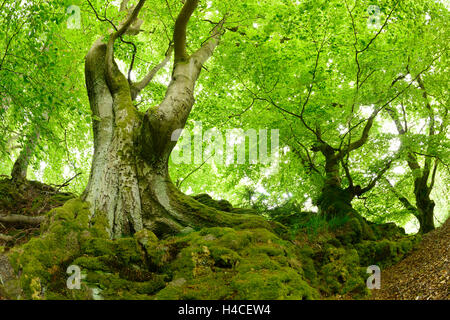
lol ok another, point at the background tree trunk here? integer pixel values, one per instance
(424, 205)
(20, 167)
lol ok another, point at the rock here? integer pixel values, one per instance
(145, 237)
(187, 230)
(177, 282)
(9, 284)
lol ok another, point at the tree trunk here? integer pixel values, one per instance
(334, 200)
(20, 167)
(426, 220)
(129, 179)
(113, 186)
(424, 205)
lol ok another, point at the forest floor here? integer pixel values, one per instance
(30, 198)
(424, 274)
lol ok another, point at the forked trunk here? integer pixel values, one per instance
(129, 179)
(113, 186)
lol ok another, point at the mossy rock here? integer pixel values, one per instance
(354, 230)
(244, 211)
(341, 272)
(224, 263)
(388, 231)
(249, 260)
(44, 259)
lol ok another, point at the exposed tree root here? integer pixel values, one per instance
(5, 238)
(18, 219)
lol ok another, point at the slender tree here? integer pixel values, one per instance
(424, 175)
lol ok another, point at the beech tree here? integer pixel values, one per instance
(38, 125)
(129, 178)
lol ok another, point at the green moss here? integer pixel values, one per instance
(341, 272)
(385, 252)
(224, 257)
(268, 285)
(97, 246)
(248, 260)
(127, 251)
(42, 258)
(29, 197)
(208, 216)
(113, 286)
(93, 263)
(206, 199)
(224, 263)
(145, 237)
(335, 202)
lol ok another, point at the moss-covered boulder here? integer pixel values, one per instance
(224, 263)
(246, 262)
(341, 272)
(43, 260)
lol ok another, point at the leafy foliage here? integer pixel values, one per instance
(308, 68)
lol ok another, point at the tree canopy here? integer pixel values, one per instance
(358, 91)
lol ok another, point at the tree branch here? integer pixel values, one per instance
(137, 87)
(179, 34)
(402, 199)
(365, 134)
(207, 48)
(111, 68)
(5, 238)
(378, 177)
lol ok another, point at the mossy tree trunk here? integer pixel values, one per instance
(129, 178)
(335, 200)
(424, 181)
(425, 206)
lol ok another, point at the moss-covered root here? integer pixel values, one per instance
(203, 212)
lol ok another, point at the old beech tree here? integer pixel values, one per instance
(129, 179)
